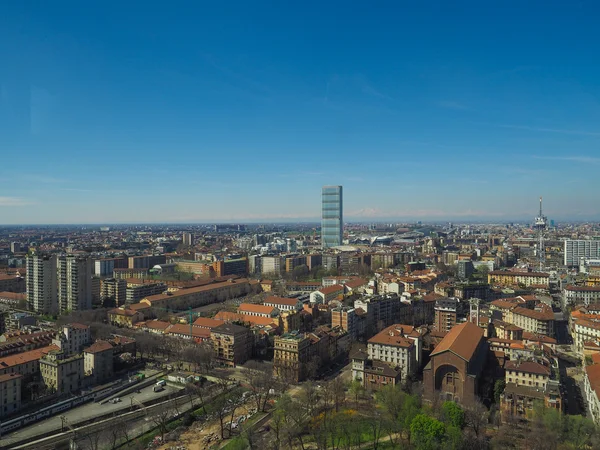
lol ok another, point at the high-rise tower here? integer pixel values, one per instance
(41, 284)
(541, 225)
(74, 283)
(332, 218)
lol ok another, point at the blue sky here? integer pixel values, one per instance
(197, 111)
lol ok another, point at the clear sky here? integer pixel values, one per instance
(201, 111)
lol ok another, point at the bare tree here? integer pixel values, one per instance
(476, 417)
(161, 419)
(261, 382)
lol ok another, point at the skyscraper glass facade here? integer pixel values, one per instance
(332, 220)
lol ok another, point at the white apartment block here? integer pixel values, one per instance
(581, 295)
(74, 283)
(73, 338)
(41, 284)
(272, 264)
(591, 382)
(577, 249)
(585, 330)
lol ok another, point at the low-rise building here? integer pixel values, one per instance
(283, 304)
(73, 338)
(124, 317)
(250, 309)
(327, 294)
(517, 401)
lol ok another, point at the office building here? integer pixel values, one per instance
(188, 239)
(42, 284)
(465, 268)
(15, 247)
(332, 218)
(74, 283)
(577, 249)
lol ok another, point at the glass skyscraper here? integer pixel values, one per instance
(332, 218)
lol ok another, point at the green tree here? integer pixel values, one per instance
(357, 389)
(427, 433)
(453, 415)
(499, 389)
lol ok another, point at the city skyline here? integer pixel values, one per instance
(240, 114)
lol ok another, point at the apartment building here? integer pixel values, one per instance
(10, 393)
(293, 261)
(576, 249)
(237, 266)
(145, 261)
(508, 278)
(272, 264)
(291, 356)
(187, 239)
(537, 321)
(73, 338)
(382, 310)
(98, 361)
(105, 267)
(74, 283)
(232, 344)
(518, 401)
(585, 330)
(26, 363)
(61, 373)
(124, 274)
(591, 382)
(136, 292)
(112, 288)
(399, 346)
(527, 373)
(352, 320)
(581, 295)
(42, 289)
(446, 314)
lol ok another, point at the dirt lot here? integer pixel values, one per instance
(205, 434)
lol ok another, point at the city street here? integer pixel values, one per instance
(85, 412)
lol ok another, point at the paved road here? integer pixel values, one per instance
(85, 412)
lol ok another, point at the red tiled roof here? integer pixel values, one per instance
(26, 357)
(183, 329)
(527, 367)
(331, 289)
(461, 340)
(258, 309)
(395, 335)
(205, 322)
(98, 347)
(593, 374)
